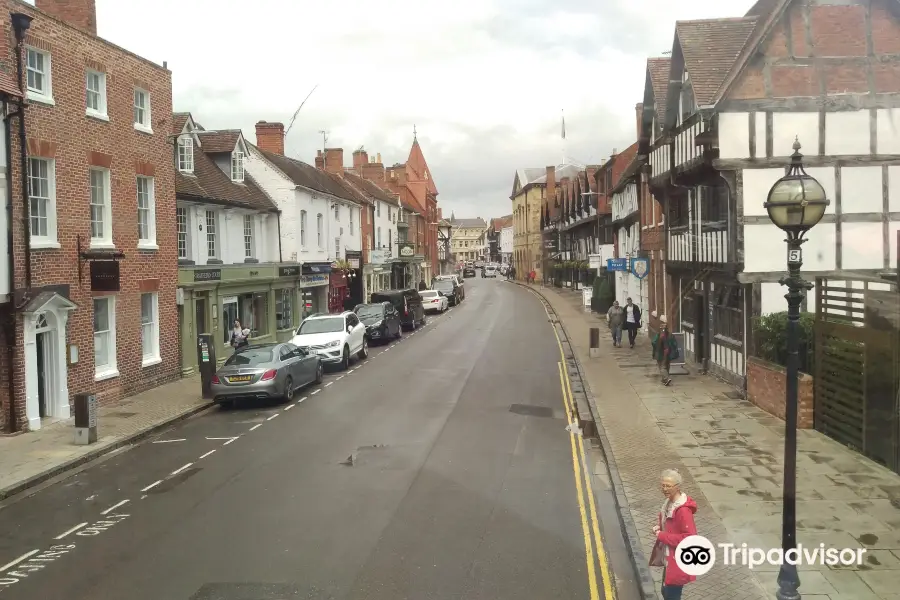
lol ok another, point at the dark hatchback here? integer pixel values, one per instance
(448, 288)
(469, 272)
(407, 303)
(381, 320)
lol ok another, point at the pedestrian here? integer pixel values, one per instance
(632, 320)
(665, 350)
(674, 524)
(532, 276)
(422, 285)
(240, 337)
(615, 317)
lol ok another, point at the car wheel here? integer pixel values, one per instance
(320, 371)
(364, 351)
(345, 361)
(288, 389)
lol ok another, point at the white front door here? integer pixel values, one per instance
(46, 371)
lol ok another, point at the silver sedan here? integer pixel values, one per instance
(265, 371)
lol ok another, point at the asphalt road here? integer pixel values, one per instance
(438, 468)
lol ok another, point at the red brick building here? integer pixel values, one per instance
(95, 265)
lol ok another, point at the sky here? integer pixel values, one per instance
(484, 82)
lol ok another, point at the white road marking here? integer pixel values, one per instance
(315, 392)
(231, 440)
(329, 383)
(208, 453)
(13, 563)
(169, 441)
(222, 438)
(289, 407)
(257, 426)
(272, 417)
(152, 485)
(341, 377)
(301, 399)
(351, 370)
(115, 506)
(68, 531)
(180, 469)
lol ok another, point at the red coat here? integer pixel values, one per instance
(672, 530)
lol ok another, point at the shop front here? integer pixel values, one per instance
(377, 272)
(407, 268)
(263, 297)
(313, 294)
(337, 291)
(355, 276)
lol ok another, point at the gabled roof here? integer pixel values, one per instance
(308, 176)
(498, 223)
(220, 140)
(711, 48)
(476, 223)
(179, 120)
(369, 188)
(417, 163)
(657, 84)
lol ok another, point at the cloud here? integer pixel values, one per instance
(483, 81)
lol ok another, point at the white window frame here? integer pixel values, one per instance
(150, 328)
(249, 236)
(237, 166)
(111, 369)
(337, 248)
(186, 234)
(146, 125)
(351, 221)
(337, 213)
(106, 239)
(101, 111)
(149, 242)
(216, 245)
(45, 95)
(186, 154)
(320, 234)
(303, 230)
(378, 208)
(49, 241)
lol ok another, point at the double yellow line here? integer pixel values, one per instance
(580, 468)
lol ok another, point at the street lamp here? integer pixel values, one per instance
(795, 204)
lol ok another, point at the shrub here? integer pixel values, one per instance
(770, 335)
(602, 298)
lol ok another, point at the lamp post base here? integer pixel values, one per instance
(788, 583)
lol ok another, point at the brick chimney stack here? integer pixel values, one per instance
(551, 191)
(373, 171)
(440, 214)
(320, 161)
(334, 160)
(360, 158)
(77, 13)
(639, 114)
(270, 137)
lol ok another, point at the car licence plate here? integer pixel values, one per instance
(240, 379)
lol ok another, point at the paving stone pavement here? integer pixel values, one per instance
(29, 458)
(730, 455)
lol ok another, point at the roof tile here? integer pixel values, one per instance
(308, 176)
(659, 69)
(710, 48)
(219, 141)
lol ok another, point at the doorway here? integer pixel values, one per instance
(42, 366)
(229, 316)
(700, 325)
(200, 321)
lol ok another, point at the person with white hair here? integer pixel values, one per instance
(675, 523)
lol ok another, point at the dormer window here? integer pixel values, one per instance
(237, 165)
(687, 100)
(186, 154)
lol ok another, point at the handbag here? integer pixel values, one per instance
(658, 554)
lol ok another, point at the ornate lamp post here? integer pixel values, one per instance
(795, 204)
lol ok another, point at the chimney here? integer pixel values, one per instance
(639, 113)
(440, 214)
(334, 160)
(551, 191)
(320, 161)
(270, 137)
(77, 13)
(360, 158)
(378, 158)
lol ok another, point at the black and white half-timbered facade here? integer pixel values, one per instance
(626, 220)
(719, 129)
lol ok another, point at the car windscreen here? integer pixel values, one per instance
(329, 325)
(370, 311)
(444, 286)
(251, 357)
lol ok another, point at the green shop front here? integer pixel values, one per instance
(407, 267)
(269, 299)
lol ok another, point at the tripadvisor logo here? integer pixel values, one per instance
(696, 555)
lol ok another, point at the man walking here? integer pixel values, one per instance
(615, 316)
(665, 350)
(632, 320)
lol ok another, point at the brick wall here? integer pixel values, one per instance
(849, 50)
(765, 389)
(64, 133)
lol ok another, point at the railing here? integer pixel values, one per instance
(711, 246)
(680, 148)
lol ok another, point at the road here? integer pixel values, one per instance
(438, 468)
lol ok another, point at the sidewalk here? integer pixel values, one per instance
(730, 455)
(31, 458)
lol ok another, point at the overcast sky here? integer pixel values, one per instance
(484, 81)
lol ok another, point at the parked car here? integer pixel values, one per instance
(333, 337)
(264, 371)
(434, 300)
(469, 272)
(381, 320)
(489, 271)
(407, 303)
(460, 282)
(451, 290)
(479, 264)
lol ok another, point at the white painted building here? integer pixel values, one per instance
(506, 244)
(627, 234)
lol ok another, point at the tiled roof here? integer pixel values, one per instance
(370, 189)
(710, 48)
(659, 69)
(210, 183)
(475, 223)
(220, 140)
(355, 192)
(502, 222)
(308, 176)
(8, 85)
(179, 120)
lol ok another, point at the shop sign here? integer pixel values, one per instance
(208, 275)
(292, 271)
(407, 249)
(617, 264)
(354, 258)
(315, 268)
(379, 256)
(313, 280)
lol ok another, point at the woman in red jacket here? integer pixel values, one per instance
(676, 522)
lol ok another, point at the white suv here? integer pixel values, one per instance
(333, 337)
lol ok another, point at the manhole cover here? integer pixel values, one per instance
(121, 413)
(529, 410)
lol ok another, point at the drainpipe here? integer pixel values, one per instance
(11, 321)
(21, 22)
(278, 224)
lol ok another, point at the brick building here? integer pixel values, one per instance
(95, 265)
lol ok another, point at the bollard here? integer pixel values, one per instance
(594, 344)
(85, 419)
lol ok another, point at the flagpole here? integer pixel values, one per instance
(563, 137)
